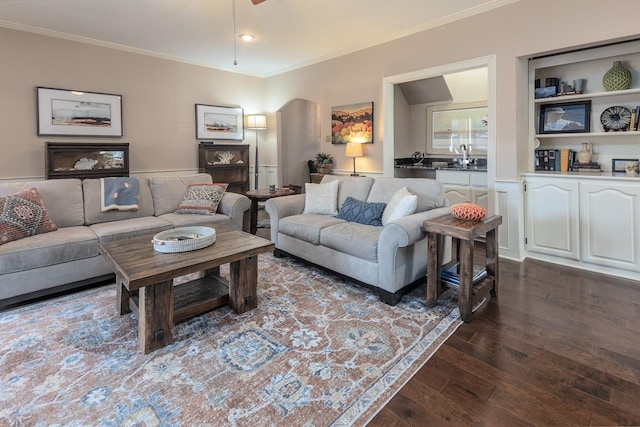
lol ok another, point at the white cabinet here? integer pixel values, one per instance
(462, 186)
(594, 220)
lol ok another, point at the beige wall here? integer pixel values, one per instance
(515, 31)
(159, 95)
(159, 98)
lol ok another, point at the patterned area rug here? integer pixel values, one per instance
(317, 351)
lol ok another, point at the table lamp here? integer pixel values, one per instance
(354, 150)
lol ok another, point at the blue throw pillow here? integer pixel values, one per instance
(362, 212)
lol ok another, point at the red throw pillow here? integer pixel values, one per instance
(22, 215)
(468, 211)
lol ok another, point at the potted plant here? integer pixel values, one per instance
(324, 163)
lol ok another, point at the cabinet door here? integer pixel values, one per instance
(552, 217)
(610, 228)
(456, 194)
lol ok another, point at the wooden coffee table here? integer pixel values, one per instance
(145, 285)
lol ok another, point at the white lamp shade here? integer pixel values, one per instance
(353, 150)
(256, 121)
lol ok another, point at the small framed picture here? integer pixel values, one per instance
(78, 113)
(216, 122)
(618, 165)
(567, 117)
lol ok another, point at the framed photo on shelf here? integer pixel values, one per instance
(618, 165)
(65, 112)
(566, 117)
(217, 122)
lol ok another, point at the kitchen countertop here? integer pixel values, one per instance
(450, 167)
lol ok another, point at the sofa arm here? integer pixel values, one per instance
(407, 230)
(281, 207)
(234, 205)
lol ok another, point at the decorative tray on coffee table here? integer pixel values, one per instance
(183, 239)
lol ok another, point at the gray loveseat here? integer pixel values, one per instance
(386, 258)
(68, 257)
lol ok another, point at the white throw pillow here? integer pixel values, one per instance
(402, 203)
(321, 198)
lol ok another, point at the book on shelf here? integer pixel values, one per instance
(451, 275)
(590, 165)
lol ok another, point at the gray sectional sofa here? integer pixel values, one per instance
(385, 258)
(68, 257)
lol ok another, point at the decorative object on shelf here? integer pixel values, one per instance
(352, 123)
(579, 85)
(617, 78)
(324, 163)
(77, 113)
(615, 119)
(584, 155)
(619, 165)
(256, 122)
(468, 211)
(631, 168)
(566, 117)
(225, 157)
(85, 163)
(216, 122)
(354, 149)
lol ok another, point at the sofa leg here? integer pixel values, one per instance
(388, 297)
(278, 253)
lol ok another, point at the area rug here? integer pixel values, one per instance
(317, 351)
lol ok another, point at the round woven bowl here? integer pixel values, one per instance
(468, 211)
(183, 239)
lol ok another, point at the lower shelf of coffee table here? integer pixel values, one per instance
(194, 298)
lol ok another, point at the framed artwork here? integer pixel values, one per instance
(78, 113)
(619, 165)
(567, 117)
(453, 125)
(216, 122)
(352, 123)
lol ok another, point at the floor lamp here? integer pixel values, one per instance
(256, 122)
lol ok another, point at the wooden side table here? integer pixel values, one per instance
(261, 196)
(463, 234)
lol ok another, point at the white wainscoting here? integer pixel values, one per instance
(509, 204)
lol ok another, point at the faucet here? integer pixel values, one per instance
(465, 160)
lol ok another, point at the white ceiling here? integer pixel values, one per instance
(289, 33)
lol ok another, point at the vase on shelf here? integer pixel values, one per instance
(584, 155)
(617, 78)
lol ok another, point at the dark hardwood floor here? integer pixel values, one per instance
(559, 347)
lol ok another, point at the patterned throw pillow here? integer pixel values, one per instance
(468, 211)
(22, 215)
(353, 210)
(202, 199)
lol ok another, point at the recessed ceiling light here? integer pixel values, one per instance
(247, 37)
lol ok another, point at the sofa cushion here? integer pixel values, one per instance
(92, 203)
(352, 238)
(321, 199)
(201, 199)
(306, 227)
(126, 228)
(22, 215)
(402, 204)
(168, 191)
(348, 186)
(362, 212)
(64, 245)
(62, 197)
(429, 191)
(187, 220)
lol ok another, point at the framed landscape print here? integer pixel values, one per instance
(452, 125)
(216, 122)
(78, 113)
(352, 123)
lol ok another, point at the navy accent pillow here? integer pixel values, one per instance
(362, 212)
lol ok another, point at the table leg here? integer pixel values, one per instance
(492, 259)
(243, 284)
(155, 316)
(433, 269)
(122, 296)
(254, 216)
(465, 287)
